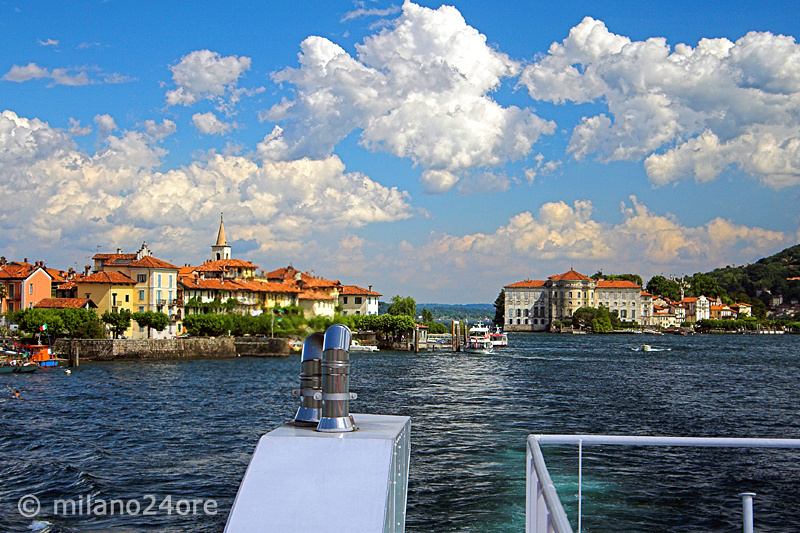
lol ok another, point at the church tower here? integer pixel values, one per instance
(221, 250)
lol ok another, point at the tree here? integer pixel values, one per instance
(705, 285)
(427, 316)
(500, 309)
(151, 319)
(403, 306)
(602, 324)
(635, 278)
(661, 286)
(119, 322)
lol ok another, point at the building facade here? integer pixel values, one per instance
(533, 305)
(358, 301)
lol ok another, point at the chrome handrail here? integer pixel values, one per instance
(544, 512)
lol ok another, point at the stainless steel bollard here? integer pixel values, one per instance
(310, 410)
(336, 381)
(747, 511)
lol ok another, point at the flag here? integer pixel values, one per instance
(43, 327)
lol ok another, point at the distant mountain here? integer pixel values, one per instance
(770, 273)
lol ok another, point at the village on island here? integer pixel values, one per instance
(137, 296)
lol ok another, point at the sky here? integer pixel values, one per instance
(433, 150)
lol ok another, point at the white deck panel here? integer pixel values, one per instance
(301, 480)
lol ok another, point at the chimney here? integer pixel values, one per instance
(25, 260)
(119, 250)
(86, 270)
(370, 288)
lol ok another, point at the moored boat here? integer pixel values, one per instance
(41, 355)
(498, 337)
(478, 340)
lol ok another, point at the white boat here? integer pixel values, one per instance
(356, 346)
(478, 340)
(498, 337)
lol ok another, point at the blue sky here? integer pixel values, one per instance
(434, 150)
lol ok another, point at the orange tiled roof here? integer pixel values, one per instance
(151, 262)
(569, 275)
(275, 287)
(212, 284)
(222, 264)
(527, 283)
(314, 295)
(116, 278)
(64, 303)
(288, 274)
(348, 290)
(114, 256)
(619, 284)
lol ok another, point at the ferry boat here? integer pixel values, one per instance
(479, 340)
(498, 337)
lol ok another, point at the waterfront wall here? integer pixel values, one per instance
(164, 349)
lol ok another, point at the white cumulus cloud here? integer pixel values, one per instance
(209, 124)
(53, 190)
(690, 112)
(204, 74)
(420, 89)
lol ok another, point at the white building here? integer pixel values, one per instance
(357, 301)
(533, 305)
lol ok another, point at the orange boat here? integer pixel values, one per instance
(41, 354)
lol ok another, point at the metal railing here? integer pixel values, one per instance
(543, 510)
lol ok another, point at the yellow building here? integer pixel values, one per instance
(155, 289)
(110, 291)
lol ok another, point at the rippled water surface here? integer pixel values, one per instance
(187, 429)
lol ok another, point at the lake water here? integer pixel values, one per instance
(141, 432)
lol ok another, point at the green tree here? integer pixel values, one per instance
(500, 309)
(403, 306)
(635, 278)
(118, 322)
(437, 328)
(151, 319)
(705, 285)
(427, 316)
(602, 324)
(661, 286)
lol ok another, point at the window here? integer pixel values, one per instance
(127, 298)
(633, 313)
(141, 294)
(11, 292)
(518, 314)
(141, 278)
(30, 288)
(141, 310)
(345, 300)
(114, 299)
(170, 282)
(526, 312)
(159, 280)
(358, 299)
(11, 304)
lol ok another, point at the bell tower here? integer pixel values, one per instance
(221, 250)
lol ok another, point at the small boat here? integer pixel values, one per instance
(498, 338)
(41, 354)
(647, 348)
(478, 340)
(356, 346)
(17, 367)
